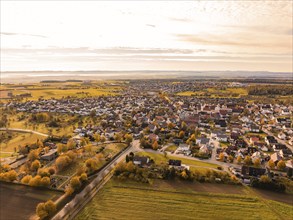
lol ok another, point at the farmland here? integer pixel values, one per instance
(159, 158)
(217, 93)
(19, 202)
(60, 90)
(164, 200)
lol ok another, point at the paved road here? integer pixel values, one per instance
(80, 200)
(23, 130)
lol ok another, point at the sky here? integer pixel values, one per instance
(147, 35)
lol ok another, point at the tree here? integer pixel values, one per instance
(155, 145)
(239, 159)
(264, 179)
(45, 209)
(26, 179)
(43, 172)
(89, 149)
(281, 165)
(256, 162)
(75, 183)
(247, 160)
(221, 156)
(170, 125)
(97, 137)
(183, 126)
(40, 211)
(118, 137)
(103, 138)
(62, 162)
(45, 181)
(33, 155)
(61, 148)
(92, 164)
(35, 165)
(231, 158)
(84, 141)
(35, 181)
(71, 144)
(128, 138)
(181, 134)
(271, 164)
(83, 177)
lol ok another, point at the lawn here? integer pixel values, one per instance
(160, 158)
(18, 138)
(120, 200)
(171, 148)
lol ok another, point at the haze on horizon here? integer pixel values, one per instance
(119, 35)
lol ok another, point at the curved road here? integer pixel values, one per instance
(24, 130)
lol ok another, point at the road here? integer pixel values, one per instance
(70, 210)
(278, 139)
(23, 130)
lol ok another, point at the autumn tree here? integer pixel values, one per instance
(45, 181)
(35, 165)
(181, 134)
(26, 179)
(35, 181)
(46, 209)
(103, 138)
(97, 137)
(61, 148)
(92, 164)
(256, 162)
(264, 179)
(33, 155)
(239, 159)
(221, 156)
(75, 183)
(231, 158)
(155, 145)
(247, 160)
(71, 144)
(128, 138)
(118, 137)
(281, 165)
(271, 164)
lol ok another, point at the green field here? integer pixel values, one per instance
(171, 148)
(160, 158)
(121, 200)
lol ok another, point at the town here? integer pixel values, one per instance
(197, 131)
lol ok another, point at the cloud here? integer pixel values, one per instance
(239, 40)
(22, 34)
(113, 50)
(151, 25)
(180, 19)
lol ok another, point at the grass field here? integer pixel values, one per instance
(171, 148)
(159, 158)
(18, 139)
(180, 201)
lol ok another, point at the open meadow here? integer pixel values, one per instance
(165, 200)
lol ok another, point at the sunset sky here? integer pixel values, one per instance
(120, 35)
